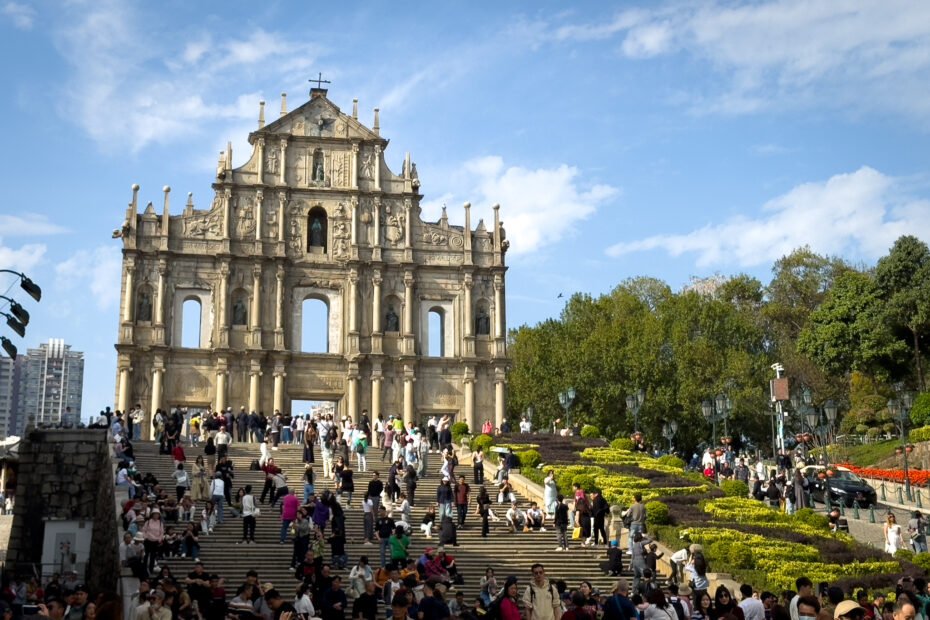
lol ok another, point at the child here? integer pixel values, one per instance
(614, 564)
(337, 547)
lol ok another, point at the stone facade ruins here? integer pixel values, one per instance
(314, 215)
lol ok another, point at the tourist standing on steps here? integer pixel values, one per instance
(249, 512)
(217, 495)
(375, 489)
(384, 527)
(477, 460)
(309, 483)
(289, 506)
(387, 445)
(154, 534)
(410, 483)
(550, 493)
(209, 450)
(461, 493)
(309, 440)
(636, 514)
(560, 520)
(599, 510)
(275, 426)
(242, 425)
(444, 498)
(270, 469)
(541, 599)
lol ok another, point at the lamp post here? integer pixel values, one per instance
(715, 411)
(633, 404)
(26, 284)
(566, 399)
(900, 409)
(668, 431)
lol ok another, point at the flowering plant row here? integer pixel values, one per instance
(784, 573)
(752, 512)
(917, 476)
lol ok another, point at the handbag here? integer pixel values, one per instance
(576, 533)
(256, 512)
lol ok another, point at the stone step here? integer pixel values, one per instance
(506, 553)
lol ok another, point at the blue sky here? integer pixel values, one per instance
(665, 139)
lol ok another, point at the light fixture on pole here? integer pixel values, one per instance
(668, 431)
(633, 404)
(17, 310)
(14, 324)
(900, 409)
(566, 399)
(8, 346)
(26, 284)
(707, 408)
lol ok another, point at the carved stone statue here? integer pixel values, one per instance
(316, 233)
(482, 323)
(368, 166)
(318, 171)
(144, 309)
(391, 321)
(239, 313)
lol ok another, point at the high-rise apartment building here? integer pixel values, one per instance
(45, 384)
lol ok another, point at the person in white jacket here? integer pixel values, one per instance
(263, 453)
(249, 512)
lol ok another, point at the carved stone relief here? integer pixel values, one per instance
(206, 225)
(270, 219)
(244, 216)
(340, 166)
(392, 223)
(295, 239)
(272, 161)
(341, 232)
(367, 165)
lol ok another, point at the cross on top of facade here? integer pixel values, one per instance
(319, 80)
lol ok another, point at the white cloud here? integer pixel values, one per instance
(22, 15)
(859, 54)
(29, 224)
(132, 85)
(25, 258)
(531, 200)
(855, 214)
(96, 271)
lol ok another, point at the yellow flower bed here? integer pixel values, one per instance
(753, 512)
(784, 572)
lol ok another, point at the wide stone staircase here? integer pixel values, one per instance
(508, 553)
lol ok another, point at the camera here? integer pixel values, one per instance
(30, 610)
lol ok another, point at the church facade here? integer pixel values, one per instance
(409, 315)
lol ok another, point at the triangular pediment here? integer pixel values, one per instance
(319, 118)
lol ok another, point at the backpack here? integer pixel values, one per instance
(679, 608)
(360, 446)
(494, 609)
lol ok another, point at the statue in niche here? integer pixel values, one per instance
(316, 232)
(482, 323)
(368, 165)
(144, 309)
(391, 321)
(318, 166)
(239, 313)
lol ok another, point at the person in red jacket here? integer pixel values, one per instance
(270, 470)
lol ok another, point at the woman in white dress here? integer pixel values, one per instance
(893, 538)
(550, 493)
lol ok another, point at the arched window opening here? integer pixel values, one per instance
(190, 323)
(314, 329)
(317, 225)
(436, 337)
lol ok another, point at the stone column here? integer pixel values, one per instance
(254, 390)
(123, 396)
(408, 400)
(353, 301)
(221, 390)
(469, 384)
(409, 281)
(227, 199)
(352, 397)
(353, 221)
(282, 198)
(128, 294)
(376, 223)
(279, 390)
(377, 167)
(466, 289)
(156, 389)
(160, 303)
(498, 307)
(375, 397)
(221, 303)
(279, 299)
(407, 225)
(498, 402)
(256, 327)
(376, 302)
(353, 182)
(281, 177)
(259, 200)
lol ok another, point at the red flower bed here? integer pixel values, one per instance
(917, 477)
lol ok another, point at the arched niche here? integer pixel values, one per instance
(239, 308)
(317, 230)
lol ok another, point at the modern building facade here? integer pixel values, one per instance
(7, 396)
(216, 303)
(47, 386)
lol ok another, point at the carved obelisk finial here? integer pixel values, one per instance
(355, 108)
(377, 126)
(261, 113)
(283, 104)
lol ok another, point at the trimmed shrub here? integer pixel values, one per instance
(589, 431)
(922, 560)
(529, 459)
(622, 443)
(807, 515)
(739, 555)
(482, 441)
(734, 488)
(657, 513)
(672, 461)
(458, 429)
(920, 434)
(920, 412)
(862, 429)
(585, 481)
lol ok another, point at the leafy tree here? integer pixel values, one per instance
(903, 279)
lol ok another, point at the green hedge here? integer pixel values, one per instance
(657, 513)
(920, 434)
(622, 443)
(458, 430)
(529, 459)
(589, 431)
(482, 441)
(734, 488)
(672, 461)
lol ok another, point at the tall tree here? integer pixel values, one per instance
(903, 280)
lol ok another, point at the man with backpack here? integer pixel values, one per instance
(541, 598)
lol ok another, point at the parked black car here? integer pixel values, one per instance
(844, 486)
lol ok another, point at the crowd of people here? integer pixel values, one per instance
(170, 518)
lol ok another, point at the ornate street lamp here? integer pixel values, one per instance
(633, 404)
(566, 399)
(668, 431)
(900, 409)
(26, 284)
